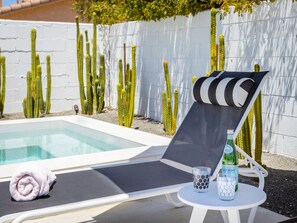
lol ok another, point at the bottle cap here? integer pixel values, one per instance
(230, 131)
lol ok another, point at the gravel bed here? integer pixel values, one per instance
(280, 185)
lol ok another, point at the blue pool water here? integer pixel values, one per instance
(26, 146)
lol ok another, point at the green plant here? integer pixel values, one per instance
(244, 137)
(49, 85)
(126, 91)
(93, 98)
(33, 104)
(169, 116)
(2, 83)
(222, 52)
(258, 124)
(217, 52)
(116, 11)
(213, 44)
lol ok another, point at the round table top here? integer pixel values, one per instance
(247, 196)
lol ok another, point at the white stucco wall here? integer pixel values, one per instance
(267, 37)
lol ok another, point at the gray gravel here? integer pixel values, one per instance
(280, 185)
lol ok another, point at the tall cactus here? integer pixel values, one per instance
(258, 124)
(100, 85)
(89, 100)
(33, 104)
(126, 92)
(95, 82)
(94, 63)
(169, 116)
(49, 85)
(217, 52)
(213, 44)
(221, 52)
(2, 83)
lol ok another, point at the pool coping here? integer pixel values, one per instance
(154, 146)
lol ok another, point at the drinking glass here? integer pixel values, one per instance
(201, 177)
(226, 187)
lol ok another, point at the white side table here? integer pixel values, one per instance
(247, 196)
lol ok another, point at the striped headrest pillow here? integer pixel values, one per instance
(222, 91)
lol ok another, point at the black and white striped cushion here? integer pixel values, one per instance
(222, 91)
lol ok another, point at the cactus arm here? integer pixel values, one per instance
(3, 83)
(25, 106)
(258, 124)
(33, 60)
(40, 92)
(169, 117)
(222, 52)
(102, 80)
(175, 110)
(49, 84)
(126, 114)
(102, 83)
(164, 109)
(37, 98)
(77, 30)
(29, 95)
(89, 86)
(128, 74)
(33, 53)
(120, 104)
(80, 73)
(94, 62)
(121, 73)
(213, 50)
(167, 79)
(133, 86)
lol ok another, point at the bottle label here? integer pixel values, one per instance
(228, 149)
(230, 171)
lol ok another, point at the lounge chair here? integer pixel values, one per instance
(199, 141)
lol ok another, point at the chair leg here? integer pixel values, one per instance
(173, 200)
(252, 215)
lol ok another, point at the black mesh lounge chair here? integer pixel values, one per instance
(199, 141)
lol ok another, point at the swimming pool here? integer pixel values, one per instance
(68, 142)
(60, 140)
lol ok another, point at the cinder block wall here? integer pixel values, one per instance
(268, 37)
(56, 39)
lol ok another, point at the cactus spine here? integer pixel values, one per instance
(34, 104)
(93, 98)
(49, 85)
(258, 124)
(169, 116)
(126, 92)
(2, 83)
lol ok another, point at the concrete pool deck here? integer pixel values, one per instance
(150, 210)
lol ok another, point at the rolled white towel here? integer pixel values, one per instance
(30, 181)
